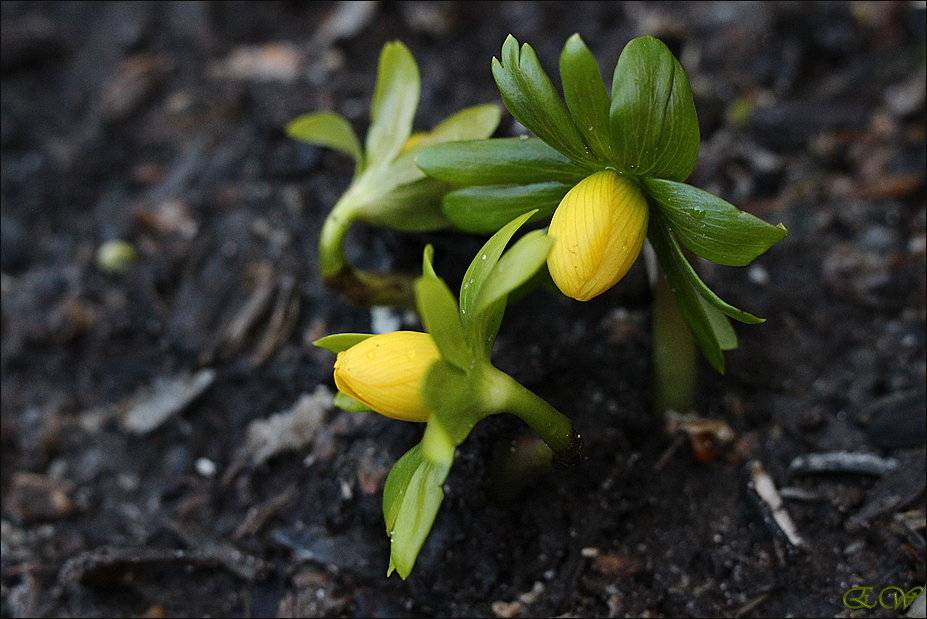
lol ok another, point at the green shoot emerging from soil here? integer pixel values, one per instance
(388, 189)
(445, 378)
(607, 168)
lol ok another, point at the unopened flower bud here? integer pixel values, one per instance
(385, 373)
(598, 230)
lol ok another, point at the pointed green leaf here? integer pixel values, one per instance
(654, 125)
(327, 129)
(440, 315)
(347, 403)
(710, 227)
(481, 320)
(428, 256)
(472, 123)
(411, 498)
(394, 103)
(532, 99)
(515, 267)
(483, 210)
(479, 271)
(341, 341)
(671, 258)
(413, 207)
(499, 161)
(585, 95)
(687, 271)
(720, 325)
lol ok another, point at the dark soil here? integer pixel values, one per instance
(136, 480)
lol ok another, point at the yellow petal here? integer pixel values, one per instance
(385, 373)
(598, 230)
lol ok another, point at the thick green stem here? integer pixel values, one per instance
(331, 241)
(358, 287)
(674, 370)
(504, 394)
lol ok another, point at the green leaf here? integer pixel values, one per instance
(413, 207)
(483, 210)
(585, 95)
(341, 341)
(499, 161)
(532, 99)
(398, 195)
(482, 266)
(394, 103)
(703, 290)
(671, 258)
(327, 129)
(515, 267)
(411, 498)
(347, 403)
(441, 317)
(709, 226)
(428, 257)
(654, 125)
(720, 325)
(481, 321)
(472, 123)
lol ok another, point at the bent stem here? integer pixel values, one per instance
(358, 287)
(505, 395)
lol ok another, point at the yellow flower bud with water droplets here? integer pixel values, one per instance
(385, 373)
(598, 229)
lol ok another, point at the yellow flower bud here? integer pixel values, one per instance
(414, 139)
(385, 373)
(598, 230)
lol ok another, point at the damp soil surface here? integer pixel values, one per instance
(168, 444)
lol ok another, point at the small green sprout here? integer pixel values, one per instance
(115, 256)
(645, 135)
(451, 369)
(388, 189)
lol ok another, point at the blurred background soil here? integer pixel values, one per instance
(168, 445)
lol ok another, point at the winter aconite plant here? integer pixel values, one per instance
(388, 189)
(610, 170)
(445, 378)
(607, 168)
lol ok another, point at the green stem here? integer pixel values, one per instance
(504, 394)
(331, 241)
(674, 369)
(363, 288)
